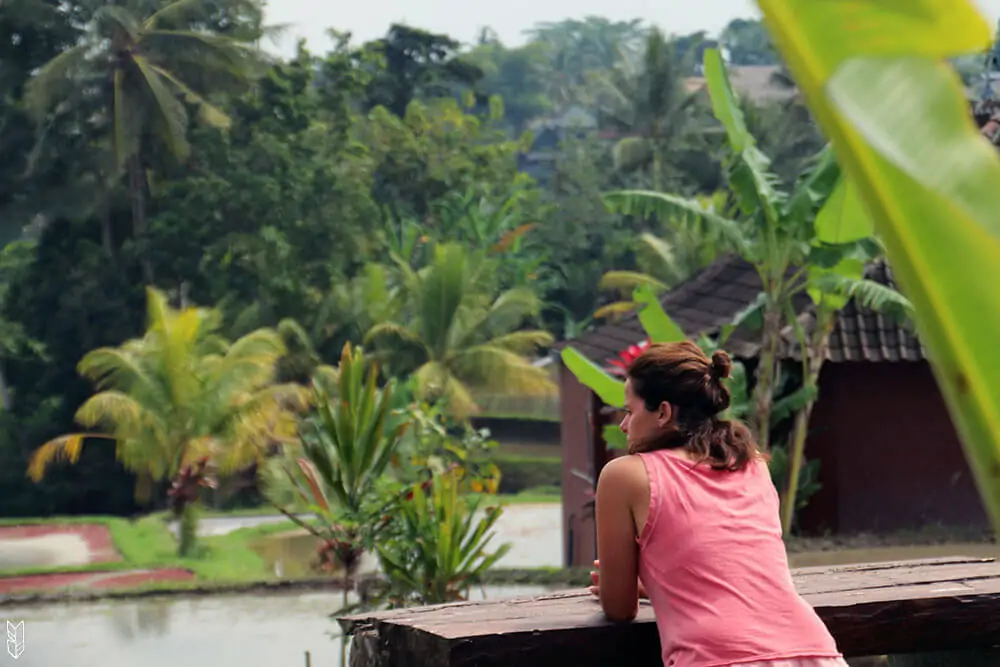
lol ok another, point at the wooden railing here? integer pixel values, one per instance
(871, 609)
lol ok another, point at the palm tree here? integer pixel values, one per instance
(644, 99)
(462, 336)
(181, 394)
(579, 47)
(148, 62)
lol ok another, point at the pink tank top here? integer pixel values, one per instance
(714, 565)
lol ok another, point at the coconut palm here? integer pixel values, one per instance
(644, 100)
(461, 336)
(181, 394)
(149, 62)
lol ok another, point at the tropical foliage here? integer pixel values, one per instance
(462, 335)
(182, 394)
(441, 549)
(347, 448)
(936, 215)
(444, 206)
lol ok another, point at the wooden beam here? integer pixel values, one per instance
(871, 609)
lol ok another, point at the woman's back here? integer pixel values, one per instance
(714, 566)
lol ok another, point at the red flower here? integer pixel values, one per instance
(627, 356)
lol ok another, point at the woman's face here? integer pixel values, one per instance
(639, 423)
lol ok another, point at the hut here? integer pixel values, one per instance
(890, 458)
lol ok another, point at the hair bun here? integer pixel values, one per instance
(721, 365)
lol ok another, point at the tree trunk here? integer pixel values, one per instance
(5, 399)
(107, 242)
(795, 456)
(140, 225)
(765, 375)
(815, 353)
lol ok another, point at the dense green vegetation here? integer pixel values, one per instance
(306, 203)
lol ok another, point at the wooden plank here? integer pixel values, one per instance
(940, 604)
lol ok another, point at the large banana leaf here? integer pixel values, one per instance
(610, 390)
(659, 328)
(658, 325)
(874, 75)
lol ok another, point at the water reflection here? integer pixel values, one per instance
(145, 618)
(273, 630)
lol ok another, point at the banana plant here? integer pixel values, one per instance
(933, 200)
(659, 328)
(441, 548)
(841, 249)
(765, 225)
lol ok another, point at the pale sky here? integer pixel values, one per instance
(370, 19)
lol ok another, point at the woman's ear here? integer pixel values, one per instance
(664, 414)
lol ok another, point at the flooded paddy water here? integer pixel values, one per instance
(277, 629)
(273, 630)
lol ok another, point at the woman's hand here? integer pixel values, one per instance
(595, 578)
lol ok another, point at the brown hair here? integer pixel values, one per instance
(681, 375)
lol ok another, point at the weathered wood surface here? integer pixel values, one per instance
(878, 608)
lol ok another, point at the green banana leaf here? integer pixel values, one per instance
(875, 77)
(609, 389)
(658, 325)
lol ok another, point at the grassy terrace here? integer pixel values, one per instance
(227, 562)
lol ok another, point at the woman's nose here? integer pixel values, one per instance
(624, 424)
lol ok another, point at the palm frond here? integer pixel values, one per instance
(391, 333)
(665, 208)
(500, 370)
(116, 413)
(110, 367)
(508, 311)
(54, 81)
(116, 20)
(210, 114)
(442, 290)
(172, 12)
(63, 448)
(616, 309)
(626, 281)
(632, 153)
(218, 53)
(167, 108)
(871, 295)
(523, 342)
(658, 254)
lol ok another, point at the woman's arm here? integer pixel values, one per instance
(617, 548)
(595, 579)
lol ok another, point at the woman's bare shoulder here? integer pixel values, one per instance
(624, 471)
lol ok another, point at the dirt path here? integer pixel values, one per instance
(69, 545)
(55, 546)
(91, 580)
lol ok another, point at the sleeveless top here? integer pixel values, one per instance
(714, 566)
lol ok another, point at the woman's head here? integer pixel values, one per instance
(673, 397)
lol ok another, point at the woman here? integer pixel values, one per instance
(690, 520)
